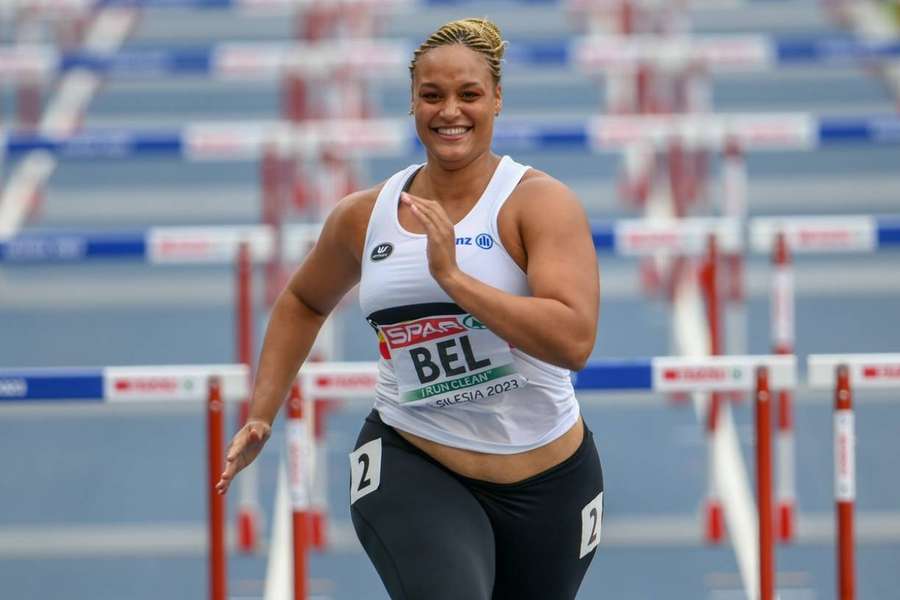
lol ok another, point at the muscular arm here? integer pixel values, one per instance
(327, 273)
(558, 322)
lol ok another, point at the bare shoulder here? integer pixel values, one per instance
(537, 185)
(346, 224)
(537, 192)
(354, 210)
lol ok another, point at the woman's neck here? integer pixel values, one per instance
(450, 186)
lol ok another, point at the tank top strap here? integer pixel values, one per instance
(383, 217)
(505, 180)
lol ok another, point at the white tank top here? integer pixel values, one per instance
(442, 375)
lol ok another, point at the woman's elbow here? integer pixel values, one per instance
(578, 354)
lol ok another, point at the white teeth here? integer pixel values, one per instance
(451, 130)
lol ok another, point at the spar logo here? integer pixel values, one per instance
(185, 248)
(349, 381)
(826, 238)
(643, 240)
(890, 372)
(700, 374)
(13, 388)
(151, 385)
(422, 330)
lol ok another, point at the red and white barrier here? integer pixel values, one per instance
(844, 233)
(844, 373)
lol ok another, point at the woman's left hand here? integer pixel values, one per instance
(441, 236)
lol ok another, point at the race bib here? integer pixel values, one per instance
(444, 360)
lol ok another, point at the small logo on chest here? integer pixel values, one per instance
(381, 251)
(482, 240)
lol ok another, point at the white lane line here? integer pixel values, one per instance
(190, 540)
(730, 472)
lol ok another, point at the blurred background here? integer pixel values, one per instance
(125, 120)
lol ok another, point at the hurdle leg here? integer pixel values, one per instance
(844, 483)
(714, 517)
(215, 454)
(782, 320)
(764, 485)
(709, 281)
(299, 450)
(784, 443)
(249, 514)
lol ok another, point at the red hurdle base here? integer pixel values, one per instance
(715, 522)
(785, 522)
(248, 531)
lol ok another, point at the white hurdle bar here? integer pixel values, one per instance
(385, 58)
(624, 237)
(246, 140)
(213, 384)
(845, 373)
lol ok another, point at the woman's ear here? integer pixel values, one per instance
(499, 101)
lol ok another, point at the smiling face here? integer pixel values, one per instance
(454, 101)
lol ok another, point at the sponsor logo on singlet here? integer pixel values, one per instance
(472, 323)
(484, 241)
(381, 251)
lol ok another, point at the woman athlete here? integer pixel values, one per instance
(474, 477)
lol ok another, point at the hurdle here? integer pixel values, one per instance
(213, 385)
(240, 246)
(781, 237)
(245, 140)
(844, 373)
(371, 58)
(754, 374)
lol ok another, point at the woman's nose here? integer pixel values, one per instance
(450, 108)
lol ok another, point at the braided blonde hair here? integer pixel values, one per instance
(481, 35)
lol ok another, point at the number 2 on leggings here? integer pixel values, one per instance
(591, 520)
(593, 515)
(365, 469)
(364, 480)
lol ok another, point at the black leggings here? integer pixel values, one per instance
(435, 535)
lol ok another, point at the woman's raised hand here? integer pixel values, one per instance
(440, 232)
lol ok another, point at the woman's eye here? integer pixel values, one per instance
(469, 95)
(428, 96)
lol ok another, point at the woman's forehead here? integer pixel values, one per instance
(451, 63)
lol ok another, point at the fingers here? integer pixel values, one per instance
(226, 477)
(243, 448)
(414, 209)
(429, 213)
